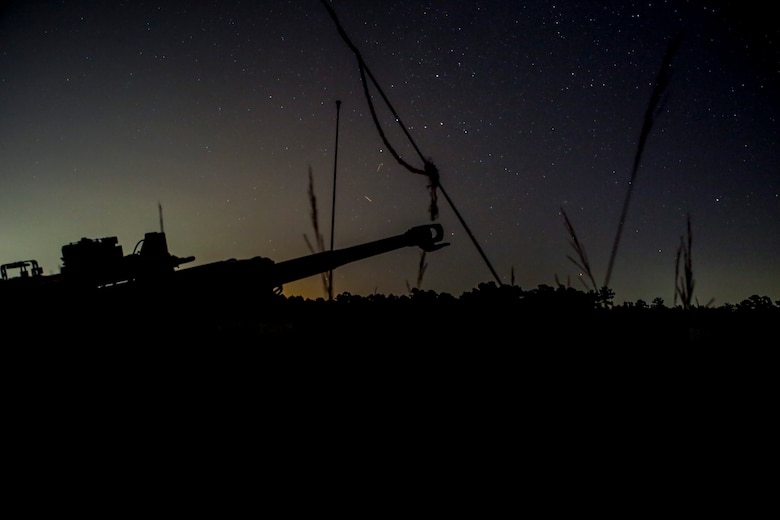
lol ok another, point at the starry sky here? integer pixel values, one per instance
(217, 112)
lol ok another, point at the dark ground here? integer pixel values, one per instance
(349, 406)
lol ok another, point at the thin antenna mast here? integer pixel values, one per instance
(333, 203)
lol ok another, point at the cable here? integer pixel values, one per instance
(429, 169)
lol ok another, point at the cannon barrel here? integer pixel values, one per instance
(427, 237)
(260, 275)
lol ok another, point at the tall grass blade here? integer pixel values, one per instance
(315, 222)
(684, 284)
(582, 257)
(653, 108)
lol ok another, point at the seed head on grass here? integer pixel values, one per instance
(421, 268)
(684, 283)
(582, 257)
(315, 221)
(657, 100)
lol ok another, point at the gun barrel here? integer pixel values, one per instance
(428, 237)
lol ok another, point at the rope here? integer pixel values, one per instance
(429, 169)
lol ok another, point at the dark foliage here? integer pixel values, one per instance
(488, 316)
(493, 316)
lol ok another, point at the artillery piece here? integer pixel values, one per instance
(97, 281)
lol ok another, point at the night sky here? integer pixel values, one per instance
(216, 111)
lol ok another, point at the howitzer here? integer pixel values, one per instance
(100, 292)
(95, 267)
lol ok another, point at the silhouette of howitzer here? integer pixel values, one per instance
(97, 270)
(264, 275)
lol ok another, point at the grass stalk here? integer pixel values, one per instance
(315, 221)
(684, 283)
(654, 107)
(657, 99)
(582, 256)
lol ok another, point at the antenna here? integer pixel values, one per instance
(159, 212)
(333, 203)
